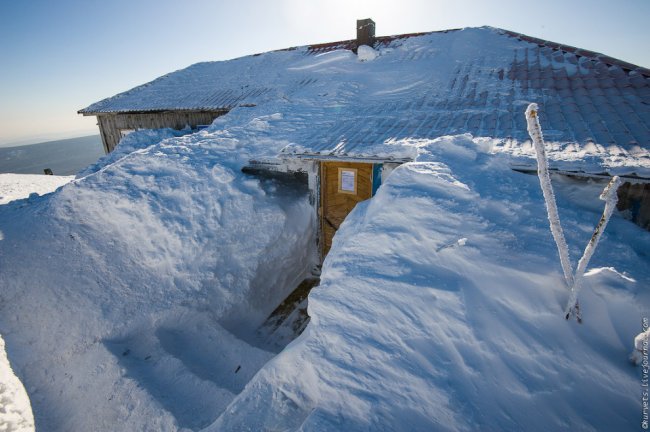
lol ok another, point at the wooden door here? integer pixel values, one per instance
(343, 185)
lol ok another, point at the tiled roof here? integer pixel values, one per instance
(579, 52)
(196, 88)
(476, 81)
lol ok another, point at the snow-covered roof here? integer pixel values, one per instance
(215, 85)
(593, 108)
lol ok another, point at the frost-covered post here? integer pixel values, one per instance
(535, 132)
(610, 197)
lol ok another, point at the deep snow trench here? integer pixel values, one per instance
(136, 292)
(263, 321)
(220, 355)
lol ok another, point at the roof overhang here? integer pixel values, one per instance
(631, 178)
(302, 162)
(345, 158)
(157, 111)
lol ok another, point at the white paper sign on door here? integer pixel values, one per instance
(347, 180)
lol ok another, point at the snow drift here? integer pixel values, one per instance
(116, 289)
(440, 305)
(441, 308)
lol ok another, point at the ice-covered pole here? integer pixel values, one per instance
(535, 132)
(610, 197)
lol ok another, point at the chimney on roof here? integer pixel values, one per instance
(365, 32)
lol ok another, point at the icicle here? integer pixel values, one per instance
(535, 132)
(610, 197)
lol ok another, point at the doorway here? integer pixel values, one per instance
(343, 185)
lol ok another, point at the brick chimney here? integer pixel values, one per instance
(365, 32)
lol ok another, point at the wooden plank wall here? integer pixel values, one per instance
(635, 198)
(110, 124)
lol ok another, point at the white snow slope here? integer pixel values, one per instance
(128, 298)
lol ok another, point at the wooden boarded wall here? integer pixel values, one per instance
(635, 199)
(111, 124)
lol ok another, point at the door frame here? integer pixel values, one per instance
(322, 191)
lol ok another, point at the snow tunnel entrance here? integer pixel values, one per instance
(334, 186)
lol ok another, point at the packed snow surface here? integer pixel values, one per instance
(19, 186)
(130, 298)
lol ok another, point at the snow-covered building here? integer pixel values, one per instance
(594, 109)
(138, 295)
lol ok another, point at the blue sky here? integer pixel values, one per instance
(60, 56)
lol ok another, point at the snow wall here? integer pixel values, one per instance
(114, 288)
